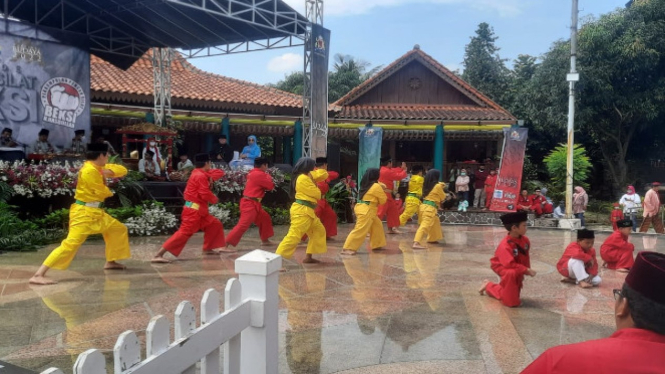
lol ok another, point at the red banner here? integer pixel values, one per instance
(507, 188)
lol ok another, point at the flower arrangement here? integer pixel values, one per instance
(43, 180)
(154, 220)
(234, 181)
(218, 211)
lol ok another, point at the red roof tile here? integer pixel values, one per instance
(189, 86)
(486, 110)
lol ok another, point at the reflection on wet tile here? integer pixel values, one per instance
(398, 311)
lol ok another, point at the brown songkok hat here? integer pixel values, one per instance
(647, 276)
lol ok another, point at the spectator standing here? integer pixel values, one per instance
(631, 204)
(580, 202)
(462, 186)
(479, 184)
(651, 210)
(224, 152)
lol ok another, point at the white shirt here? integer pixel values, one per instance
(558, 213)
(630, 202)
(142, 167)
(186, 164)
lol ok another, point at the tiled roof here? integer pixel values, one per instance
(190, 87)
(423, 112)
(486, 109)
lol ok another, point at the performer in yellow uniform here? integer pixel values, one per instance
(430, 225)
(370, 196)
(303, 218)
(86, 217)
(413, 196)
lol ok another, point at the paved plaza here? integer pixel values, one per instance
(399, 311)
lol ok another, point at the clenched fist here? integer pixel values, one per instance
(62, 100)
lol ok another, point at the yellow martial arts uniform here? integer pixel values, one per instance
(303, 219)
(86, 220)
(412, 198)
(430, 225)
(367, 220)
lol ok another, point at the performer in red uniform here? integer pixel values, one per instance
(251, 211)
(195, 214)
(637, 346)
(539, 203)
(616, 251)
(524, 201)
(578, 263)
(616, 216)
(490, 182)
(323, 210)
(511, 261)
(388, 176)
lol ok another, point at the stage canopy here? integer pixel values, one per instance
(121, 31)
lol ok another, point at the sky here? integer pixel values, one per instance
(380, 31)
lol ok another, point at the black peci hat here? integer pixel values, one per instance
(585, 234)
(202, 157)
(514, 218)
(98, 147)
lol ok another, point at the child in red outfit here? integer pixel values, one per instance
(511, 261)
(616, 251)
(616, 216)
(578, 263)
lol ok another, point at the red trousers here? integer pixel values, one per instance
(390, 209)
(328, 217)
(488, 199)
(508, 290)
(619, 260)
(193, 222)
(251, 212)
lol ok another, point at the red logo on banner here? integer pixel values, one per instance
(507, 188)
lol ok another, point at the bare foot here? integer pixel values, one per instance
(160, 260)
(41, 280)
(112, 265)
(623, 270)
(267, 242)
(394, 231)
(482, 289)
(417, 245)
(309, 260)
(584, 284)
(217, 251)
(348, 252)
(567, 280)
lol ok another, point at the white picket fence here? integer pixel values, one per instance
(247, 330)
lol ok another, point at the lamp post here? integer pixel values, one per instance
(572, 77)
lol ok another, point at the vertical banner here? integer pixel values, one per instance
(43, 85)
(507, 188)
(369, 154)
(319, 80)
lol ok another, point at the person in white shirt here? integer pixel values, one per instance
(560, 210)
(631, 203)
(185, 163)
(148, 166)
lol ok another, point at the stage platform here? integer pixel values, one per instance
(484, 217)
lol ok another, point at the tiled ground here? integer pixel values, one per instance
(399, 311)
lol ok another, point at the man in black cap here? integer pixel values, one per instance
(616, 251)
(6, 139)
(638, 345)
(42, 146)
(78, 145)
(511, 261)
(578, 263)
(224, 152)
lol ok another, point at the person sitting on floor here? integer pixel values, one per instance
(560, 210)
(149, 167)
(616, 251)
(185, 163)
(578, 263)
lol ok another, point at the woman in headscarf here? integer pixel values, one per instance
(371, 195)
(580, 202)
(631, 203)
(430, 225)
(303, 218)
(248, 154)
(462, 189)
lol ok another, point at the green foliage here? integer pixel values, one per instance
(18, 235)
(267, 145)
(58, 219)
(338, 198)
(279, 216)
(293, 82)
(556, 163)
(125, 213)
(483, 67)
(129, 190)
(6, 192)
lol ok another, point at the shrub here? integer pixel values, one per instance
(556, 163)
(154, 220)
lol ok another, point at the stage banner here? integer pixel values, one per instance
(507, 188)
(43, 85)
(319, 80)
(369, 154)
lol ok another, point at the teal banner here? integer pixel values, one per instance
(369, 155)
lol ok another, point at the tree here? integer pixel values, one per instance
(293, 82)
(483, 67)
(556, 163)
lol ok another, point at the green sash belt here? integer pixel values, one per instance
(306, 203)
(431, 203)
(94, 204)
(363, 202)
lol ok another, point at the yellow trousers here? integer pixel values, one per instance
(303, 222)
(367, 221)
(430, 225)
(411, 207)
(83, 222)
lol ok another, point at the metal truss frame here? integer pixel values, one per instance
(315, 135)
(161, 68)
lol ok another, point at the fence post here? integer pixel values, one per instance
(259, 276)
(210, 311)
(185, 323)
(232, 298)
(91, 361)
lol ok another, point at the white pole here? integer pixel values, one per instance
(571, 78)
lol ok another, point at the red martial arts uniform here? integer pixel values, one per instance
(538, 204)
(323, 210)
(574, 250)
(511, 261)
(617, 252)
(490, 182)
(524, 202)
(629, 350)
(617, 215)
(195, 217)
(388, 176)
(251, 211)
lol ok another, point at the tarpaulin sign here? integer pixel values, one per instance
(369, 155)
(507, 188)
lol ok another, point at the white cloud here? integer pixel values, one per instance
(286, 63)
(505, 8)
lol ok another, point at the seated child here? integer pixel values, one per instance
(617, 215)
(511, 261)
(616, 251)
(578, 263)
